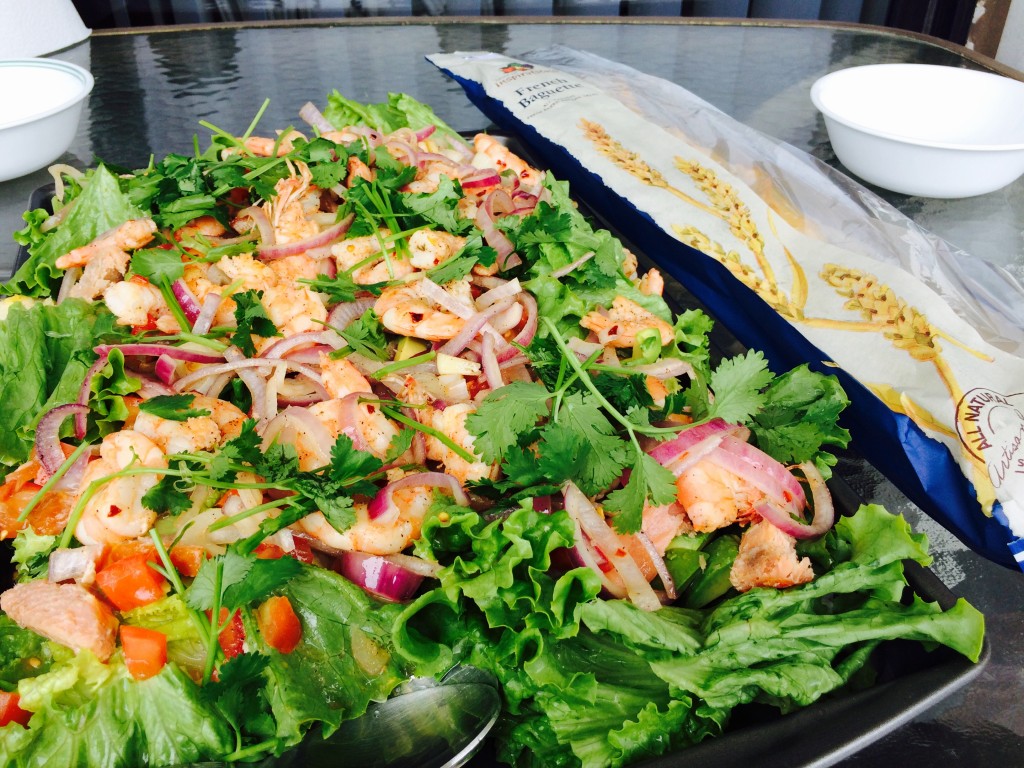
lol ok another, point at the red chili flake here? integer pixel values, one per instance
(416, 316)
(114, 511)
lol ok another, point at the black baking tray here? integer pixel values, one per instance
(910, 679)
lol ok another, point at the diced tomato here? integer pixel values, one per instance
(145, 651)
(11, 712)
(187, 559)
(303, 552)
(19, 487)
(232, 637)
(279, 626)
(267, 551)
(131, 582)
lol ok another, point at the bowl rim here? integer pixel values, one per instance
(81, 75)
(824, 80)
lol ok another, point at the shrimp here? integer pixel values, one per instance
(262, 146)
(767, 558)
(139, 303)
(293, 308)
(349, 253)
(430, 248)
(652, 283)
(428, 178)
(619, 328)
(452, 423)
(341, 377)
(403, 309)
(106, 258)
(371, 426)
(389, 536)
(714, 497)
(199, 433)
(207, 226)
(68, 614)
(289, 209)
(491, 152)
(357, 169)
(115, 513)
(664, 523)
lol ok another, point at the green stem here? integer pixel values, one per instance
(174, 306)
(399, 365)
(252, 751)
(211, 641)
(54, 479)
(224, 522)
(171, 574)
(437, 435)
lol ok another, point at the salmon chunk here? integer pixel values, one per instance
(68, 614)
(767, 558)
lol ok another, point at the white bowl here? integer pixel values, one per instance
(925, 130)
(40, 106)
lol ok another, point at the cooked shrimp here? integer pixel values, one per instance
(207, 226)
(290, 208)
(293, 308)
(767, 558)
(714, 497)
(199, 433)
(619, 328)
(295, 268)
(357, 169)
(341, 377)
(403, 309)
(262, 146)
(491, 152)
(372, 427)
(106, 258)
(137, 303)
(68, 614)
(452, 423)
(133, 234)
(652, 283)
(115, 512)
(430, 247)
(428, 178)
(389, 536)
(664, 523)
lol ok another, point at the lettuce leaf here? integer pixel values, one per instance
(45, 352)
(101, 206)
(88, 713)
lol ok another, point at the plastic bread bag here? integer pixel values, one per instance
(800, 262)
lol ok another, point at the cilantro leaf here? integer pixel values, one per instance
(172, 407)
(400, 443)
(459, 265)
(737, 383)
(440, 208)
(365, 336)
(349, 465)
(647, 480)
(231, 568)
(263, 577)
(505, 414)
(609, 453)
(341, 289)
(158, 265)
(252, 319)
(167, 496)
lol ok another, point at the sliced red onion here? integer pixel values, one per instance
(496, 203)
(287, 346)
(583, 554)
(74, 564)
(186, 299)
(301, 391)
(232, 366)
(259, 218)
(481, 178)
(574, 266)
(488, 281)
(673, 450)
(425, 132)
(378, 576)
(474, 325)
(604, 539)
(659, 564)
(492, 371)
(47, 441)
(528, 331)
(760, 470)
(311, 355)
(513, 362)
(824, 511)
(350, 420)
(343, 314)
(445, 300)
(155, 350)
(668, 368)
(329, 235)
(583, 349)
(382, 505)
(397, 147)
(315, 118)
(506, 290)
(207, 312)
(293, 424)
(85, 391)
(542, 504)
(425, 568)
(150, 387)
(165, 369)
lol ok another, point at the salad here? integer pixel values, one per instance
(293, 419)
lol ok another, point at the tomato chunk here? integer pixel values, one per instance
(232, 638)
(145, 651)
(11, 712)
(279, 625)
(131, 582)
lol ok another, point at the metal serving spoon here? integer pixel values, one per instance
(425, 724)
